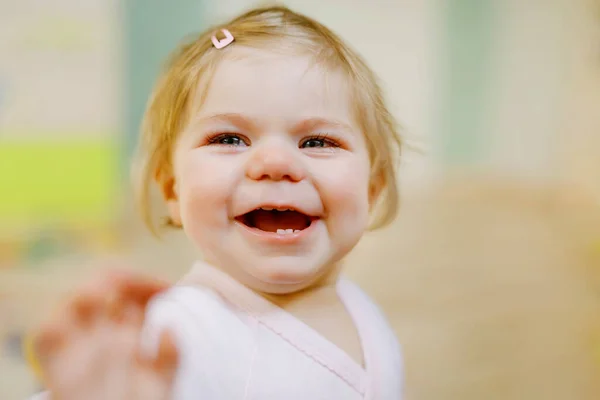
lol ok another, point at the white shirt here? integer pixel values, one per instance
(235, 345)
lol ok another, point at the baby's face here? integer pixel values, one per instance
(272, 172)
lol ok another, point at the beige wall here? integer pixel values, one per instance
(579, 134)
(545, 120)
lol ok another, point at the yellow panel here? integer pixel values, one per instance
(57, 181)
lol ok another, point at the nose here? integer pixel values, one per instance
(275, 161)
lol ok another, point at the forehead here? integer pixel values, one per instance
(263, 84)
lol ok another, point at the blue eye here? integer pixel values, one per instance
(227, 139)
(317, 142)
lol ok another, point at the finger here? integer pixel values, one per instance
(166, 359)
(38, 346)
(141, 290)
(125, 291)
(50, 338)
(84, 302)
(100, 282)
(114, 306)
(44, 347)
(119, 276)
(86, 308)
(168, 356)
(123, 300)
(133, 316)
(78, 369)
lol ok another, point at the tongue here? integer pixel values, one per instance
(270, 221)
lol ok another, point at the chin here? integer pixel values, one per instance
(280, 277)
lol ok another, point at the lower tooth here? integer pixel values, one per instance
(286, 231)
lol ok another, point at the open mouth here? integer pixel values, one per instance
(280, 221)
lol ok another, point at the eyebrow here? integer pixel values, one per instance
(310, 124)
(247, 122)
(236, 119)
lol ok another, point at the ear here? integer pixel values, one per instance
(375, 188)
(168, 187)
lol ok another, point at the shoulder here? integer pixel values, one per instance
(361, 304)
(375, 327)
(187, 311)
(211, 336)
(199, 319)
(41, 396)
(188, 301)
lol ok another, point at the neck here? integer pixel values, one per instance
(321, 284)
(324, 285)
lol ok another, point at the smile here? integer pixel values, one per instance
(277, 223)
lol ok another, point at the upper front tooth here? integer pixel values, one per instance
(267, 208)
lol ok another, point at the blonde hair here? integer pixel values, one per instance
(280, 29)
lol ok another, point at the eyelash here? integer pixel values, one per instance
(214, 139)
(325, 138)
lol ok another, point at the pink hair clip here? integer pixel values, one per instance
(219, 44)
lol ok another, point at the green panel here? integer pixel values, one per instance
(466, 57)
(57, 181)
(152, 30)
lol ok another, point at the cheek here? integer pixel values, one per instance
(204, 190)
(345, 192)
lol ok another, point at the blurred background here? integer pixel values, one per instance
(491, 275)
